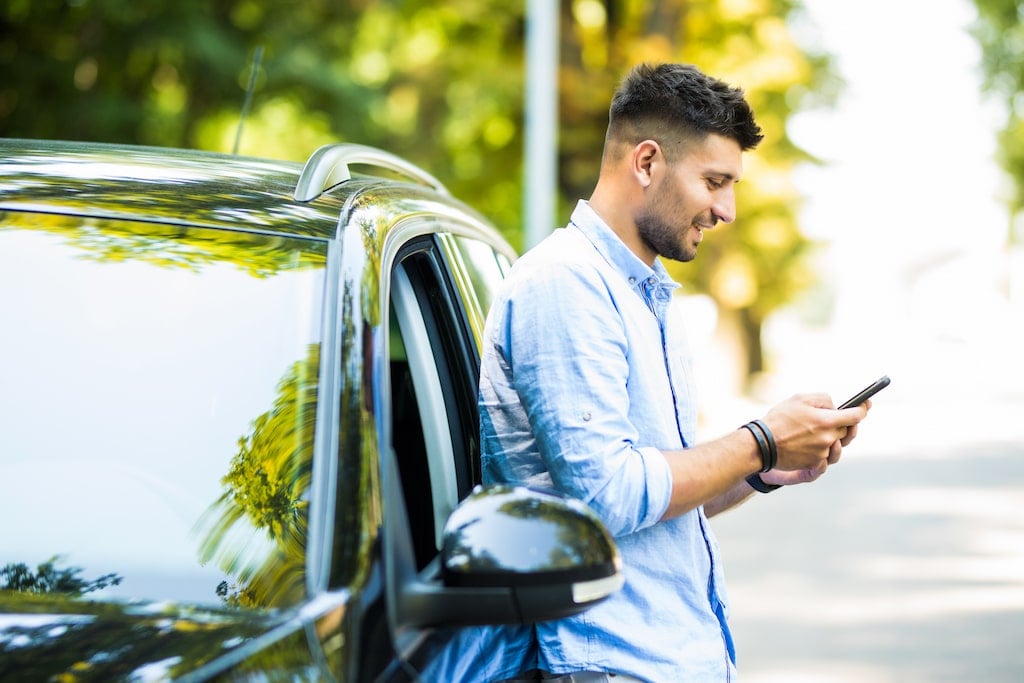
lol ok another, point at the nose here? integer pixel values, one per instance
(724, 207)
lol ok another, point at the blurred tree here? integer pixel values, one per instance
(439, 83)
(75, 640)
(999, 30)
(265, 490)
(48, 578)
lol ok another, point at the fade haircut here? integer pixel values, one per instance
(676, 104)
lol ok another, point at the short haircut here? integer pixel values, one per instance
(677, 103)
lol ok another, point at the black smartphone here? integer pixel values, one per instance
(866, 393)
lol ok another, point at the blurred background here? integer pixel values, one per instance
(880, 231)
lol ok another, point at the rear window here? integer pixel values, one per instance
(158, 390)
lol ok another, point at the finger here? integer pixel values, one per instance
(815, 472)
(789, 477)
(811, 473)
(851, 433)
(852, 416)
(849, 417)
(835, 451)
(818, 400)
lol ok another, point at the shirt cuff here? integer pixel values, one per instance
(659, 485)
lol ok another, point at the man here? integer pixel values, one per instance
(585, 388)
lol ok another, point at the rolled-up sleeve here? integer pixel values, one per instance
(567, 350)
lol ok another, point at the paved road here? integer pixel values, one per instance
(905, 563)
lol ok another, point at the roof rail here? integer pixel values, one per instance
(329, 166)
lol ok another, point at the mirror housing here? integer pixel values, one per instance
(552, 553)
(510, 555)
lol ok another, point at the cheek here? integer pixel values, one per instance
(680, 214)
(670, 201)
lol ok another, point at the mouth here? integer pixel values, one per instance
(700, 228)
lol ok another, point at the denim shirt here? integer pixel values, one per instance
(585, 379)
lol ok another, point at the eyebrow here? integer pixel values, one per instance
(723, 175)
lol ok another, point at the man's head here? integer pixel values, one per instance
(678, 105)
(673, 153)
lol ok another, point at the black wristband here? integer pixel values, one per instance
(773, 449)
(762, 444)
(759, 484)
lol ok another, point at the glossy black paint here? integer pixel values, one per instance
(544, 535)
(46, 637)
(340, 598)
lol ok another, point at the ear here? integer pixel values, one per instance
(647, 158)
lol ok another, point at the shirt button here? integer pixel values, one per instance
(586, 416)
(651, 280)
(632, 280)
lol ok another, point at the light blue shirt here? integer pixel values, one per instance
(585, 380)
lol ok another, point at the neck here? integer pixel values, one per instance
(617, 214)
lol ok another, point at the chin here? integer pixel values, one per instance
(680, 256)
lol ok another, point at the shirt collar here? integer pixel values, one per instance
(615, 251)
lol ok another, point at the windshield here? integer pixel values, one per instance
(157, 403)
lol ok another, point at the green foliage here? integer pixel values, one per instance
(999, 30)
(83, 640)
(440, 83)
(265, 491)
(48, 578)
(113, 241)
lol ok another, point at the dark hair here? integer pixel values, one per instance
(673, 103)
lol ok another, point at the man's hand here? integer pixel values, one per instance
(810, 434)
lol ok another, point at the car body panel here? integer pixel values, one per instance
(44, 637)
(205, 446)
(157, 185)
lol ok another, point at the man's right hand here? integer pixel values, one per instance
(810, 433)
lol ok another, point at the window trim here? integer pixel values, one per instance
(433, 409)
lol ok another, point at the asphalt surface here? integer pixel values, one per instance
(904, 563)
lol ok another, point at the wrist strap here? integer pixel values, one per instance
(759, 484)
(765, 443)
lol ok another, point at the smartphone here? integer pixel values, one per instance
(866, 393)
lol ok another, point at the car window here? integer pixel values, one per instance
(434, 372)
(420, 422)
(159, 389)
(477, 270)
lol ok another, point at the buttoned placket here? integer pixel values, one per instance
(658, 297)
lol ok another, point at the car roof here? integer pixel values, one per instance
(200, 188)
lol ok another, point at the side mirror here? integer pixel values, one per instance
(552, 553)
(510, 555)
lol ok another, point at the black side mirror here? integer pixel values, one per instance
(510, 555)
(552, 553)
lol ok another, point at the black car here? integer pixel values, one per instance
(238, 423)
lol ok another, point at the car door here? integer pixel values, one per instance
(441, 287)
(447, 553)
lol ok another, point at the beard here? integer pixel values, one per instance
(657, 234)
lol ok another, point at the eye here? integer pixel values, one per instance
(715, 183)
